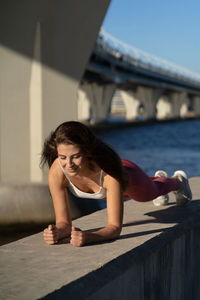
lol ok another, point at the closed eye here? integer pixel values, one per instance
(62, 157)
(77, 156)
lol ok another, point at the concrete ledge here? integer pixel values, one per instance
(156, 257)
(27, 204)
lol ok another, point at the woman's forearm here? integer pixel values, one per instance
(109, 232)
(64, 230)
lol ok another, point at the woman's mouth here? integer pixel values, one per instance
(72, 170)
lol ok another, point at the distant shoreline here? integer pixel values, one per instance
(110, 125)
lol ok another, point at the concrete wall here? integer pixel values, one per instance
(44, 48)
(167, 270)
(28, 205)
(156, 257)
(164, 268)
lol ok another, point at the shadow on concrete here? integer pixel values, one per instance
(170, 215)
(136, 234)
(173, 214)
(13, 232)
(61, 34)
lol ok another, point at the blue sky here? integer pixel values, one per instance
(168, 29)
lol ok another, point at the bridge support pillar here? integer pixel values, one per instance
(196, 106)
(99, 97)
(185, 103)
(164, 108)
(149, 98)
(83, 105)
(179, 105)
(175, 105)
(132, 104)
(40, 69)
(142, 96)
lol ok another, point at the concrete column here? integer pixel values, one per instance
(100, 97)
(173, 105)
(133, 99)
(149, 98)
(164, 108)
(196, 106)
(143, 95)
(43, 54)
(35, 109)
(83, 105)
(185, 102)
(131, 103)
(179, 104)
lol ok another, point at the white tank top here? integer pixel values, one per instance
(101, 194)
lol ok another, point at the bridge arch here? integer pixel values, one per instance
(173, 105)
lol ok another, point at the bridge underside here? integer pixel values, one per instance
(145, 94)
(96, 104)
(43, 54)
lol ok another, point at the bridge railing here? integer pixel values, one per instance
(132, 56)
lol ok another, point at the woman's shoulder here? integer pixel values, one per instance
(108, 180)
(56, 174)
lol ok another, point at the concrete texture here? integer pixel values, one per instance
(22, 204)
(44, 49)
(156, 257)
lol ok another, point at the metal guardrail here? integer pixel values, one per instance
(134, 57)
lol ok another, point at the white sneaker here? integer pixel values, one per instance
(164, 199)
(183, 194)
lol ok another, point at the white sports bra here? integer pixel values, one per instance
(78, 193)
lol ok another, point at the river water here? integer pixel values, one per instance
(168, 146)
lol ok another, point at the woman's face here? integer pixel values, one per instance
(71, 159)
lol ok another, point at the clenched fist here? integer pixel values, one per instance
(77, 237)
(51, 235)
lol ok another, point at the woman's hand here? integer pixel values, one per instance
(51, 234)
(77, 237)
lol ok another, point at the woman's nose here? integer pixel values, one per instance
(69, 162)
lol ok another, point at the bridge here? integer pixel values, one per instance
(44, 82)
(41, 67)
(148, 86)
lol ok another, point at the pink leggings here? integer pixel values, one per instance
(143, 188)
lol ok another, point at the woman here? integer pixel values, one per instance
(80, 161)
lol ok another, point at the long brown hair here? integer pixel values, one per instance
(93, 148)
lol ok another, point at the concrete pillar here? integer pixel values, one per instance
(196, 106)
(83, 105)
(100, 97)
(146, 96)
(35, 109)
(43, 54)
(131, 103)
(173, 105)
(149, 97)
(185, 102)
(179, 104)
(164, 108)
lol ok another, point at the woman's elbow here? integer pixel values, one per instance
(116, 231)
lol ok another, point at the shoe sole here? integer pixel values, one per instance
(161, 200)
(188, 195)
